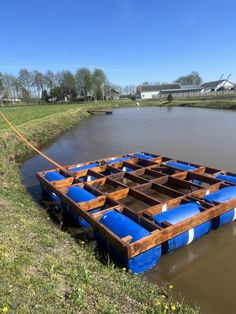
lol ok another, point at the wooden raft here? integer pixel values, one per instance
(112, 186)
(98, 112)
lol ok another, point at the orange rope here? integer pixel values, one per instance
(22, 138)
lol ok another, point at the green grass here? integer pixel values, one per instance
(43, 269)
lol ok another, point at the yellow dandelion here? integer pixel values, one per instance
(163, 296)
(158, 302)
(124, 269)
(166, 307)
(173, 308)
(5, 309)
(171, 286)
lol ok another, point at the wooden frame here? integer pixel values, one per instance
(166, 182)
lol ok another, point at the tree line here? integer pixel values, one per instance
(190, 79)
(30, 86)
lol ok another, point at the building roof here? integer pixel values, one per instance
(212, 84)
(157, 88)
(190, 87)
(115, 91)
(112, 91)
(182, 90)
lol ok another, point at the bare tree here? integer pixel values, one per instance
(83, 81)
(49, 80)
(26, 79)
(39, 82)
(99, 80)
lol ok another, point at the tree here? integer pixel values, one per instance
(66, 82)
(7, 85)
(1, 87)
(45, 95)
(192, 78)
(39, 82)
(26, 79)
(99, 80)
(57, 93)
(1, 83)
(84, 81)
(49, 80)
(169, 98)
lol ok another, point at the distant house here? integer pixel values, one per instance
(10, 100)
(112, 94)
(217, 86)
(153, 91)
(163, 90)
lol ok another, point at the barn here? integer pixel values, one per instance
(154, 90)
(112, 94)
(219, 85)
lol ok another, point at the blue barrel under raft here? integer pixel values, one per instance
(143, 156)
(123, 226)
(179, 214)
(113, 161)
(78, 195)
(225, 177)
(222, 196)
(85, 167)
(180, 166)
(52, 176)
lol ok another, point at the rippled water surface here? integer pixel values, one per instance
(205, 271)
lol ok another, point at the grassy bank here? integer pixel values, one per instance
(42, 269)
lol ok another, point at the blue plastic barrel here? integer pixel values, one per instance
(87, 178)
(143, 156)
(176, 215)
(113, 161)
(52, 176)
(78, 194)
(226, 178)
(180, 166)
(79, 168)
(76, 219)
(123, 226)
(197, 182)
(127, 169)
(221, 196)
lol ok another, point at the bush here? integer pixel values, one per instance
(169, 98)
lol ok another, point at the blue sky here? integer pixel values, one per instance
(131, 40)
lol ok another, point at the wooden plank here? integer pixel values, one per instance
(95, 203)
(62, 183)
(119, 194)
(127, 239)
(99, 214)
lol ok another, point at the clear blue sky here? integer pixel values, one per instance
(131, 40)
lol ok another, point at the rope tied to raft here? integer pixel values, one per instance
(23, 139)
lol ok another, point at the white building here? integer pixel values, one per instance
(217, 86)
(154, 90)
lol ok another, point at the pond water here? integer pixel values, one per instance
(205, 271)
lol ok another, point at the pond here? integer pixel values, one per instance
(203, 272)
